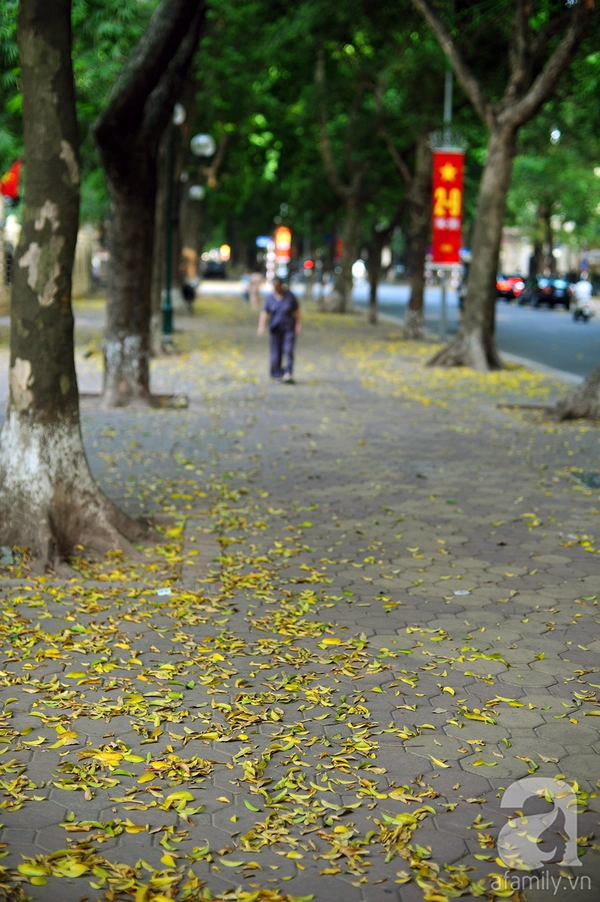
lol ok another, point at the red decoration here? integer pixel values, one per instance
(9, 184)
(447, 211)
(283, 244)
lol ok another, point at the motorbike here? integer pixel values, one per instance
(583, 310)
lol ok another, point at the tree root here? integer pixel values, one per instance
(468, 349)
(414, 329)
(68, 520)
(584, 402)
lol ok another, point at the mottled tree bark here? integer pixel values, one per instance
(49, 501)
(128, 133)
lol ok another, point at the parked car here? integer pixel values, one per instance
(213, 269)
(545, 290)
(509, 287)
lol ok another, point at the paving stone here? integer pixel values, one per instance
(581, 767)
(507, 767)
(529, 678)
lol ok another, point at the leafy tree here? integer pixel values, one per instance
(554, 174)
(49, 501)
(535, 64)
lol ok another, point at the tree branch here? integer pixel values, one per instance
(352, 120)
(335, 181)
(469, 82)
(396, 157)
(519, 53)
(544, 84)
(554, 26)
(159, 105)
(217, 161)
(146, 65)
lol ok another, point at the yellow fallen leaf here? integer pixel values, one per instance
(147, 778)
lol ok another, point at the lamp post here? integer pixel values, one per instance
(201, 146)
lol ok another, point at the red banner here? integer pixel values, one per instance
(447, 213)
(9, 183)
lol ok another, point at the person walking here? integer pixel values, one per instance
(282, 311)
(254, 283)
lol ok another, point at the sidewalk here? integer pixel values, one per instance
(393, 616)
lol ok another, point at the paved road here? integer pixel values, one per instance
(548, 337)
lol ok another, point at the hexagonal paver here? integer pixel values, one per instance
(35, 815)
(499, 768)
(528, 678)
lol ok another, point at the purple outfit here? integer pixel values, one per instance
(282, 331)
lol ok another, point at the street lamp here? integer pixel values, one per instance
(201, 146)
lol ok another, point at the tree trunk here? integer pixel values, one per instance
(420, 218)
(374, 277)
(49, 501)
(550, 261)
(127, 337)
(128, 133)
(475, 345)
(584, 401)
(192, 219)
(341, 296)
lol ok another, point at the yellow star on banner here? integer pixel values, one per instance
(448, 172)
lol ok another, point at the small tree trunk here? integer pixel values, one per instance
(584, 401)
(537, 260)
(49, 501)
(341, 296)
(475, 345)
(414, 324)
(374, 277)
(310, 282)
(420, 218)
(549, 241)
(127, 337)
(192, 218)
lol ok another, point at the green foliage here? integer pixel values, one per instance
(561, 177)
(11, 144)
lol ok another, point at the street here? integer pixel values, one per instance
(548, 337)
